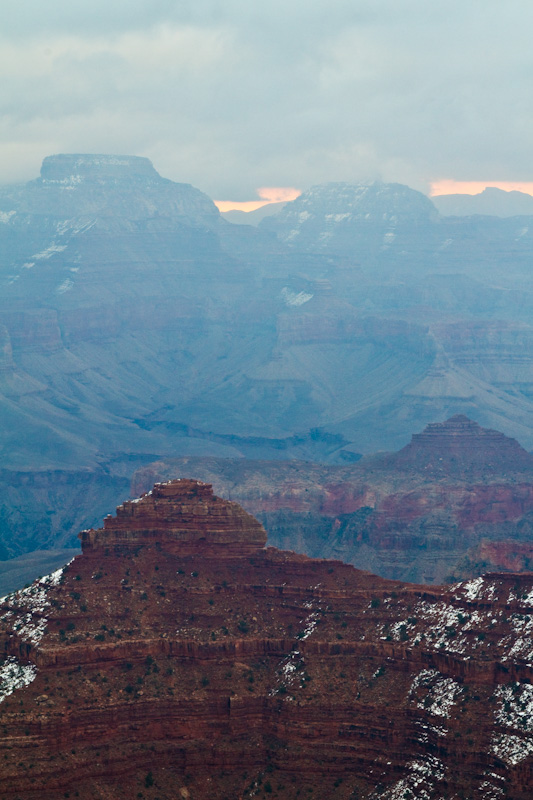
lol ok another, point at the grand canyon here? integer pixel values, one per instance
(351, 378)
(266, 400)
(139, 325)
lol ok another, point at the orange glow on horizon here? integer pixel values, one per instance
(231, 205)
(268, 194)
(476, 187)
(278, 194)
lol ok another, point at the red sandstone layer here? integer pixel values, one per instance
(148, 671)
(425, 513)
(183, 515)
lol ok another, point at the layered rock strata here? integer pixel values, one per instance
(135, 324)
(460, 446)
(427, 513)
(150, 668)
(185, 517)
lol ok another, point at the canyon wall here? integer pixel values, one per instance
(141, 669)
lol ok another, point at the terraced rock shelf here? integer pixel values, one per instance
(177, 657)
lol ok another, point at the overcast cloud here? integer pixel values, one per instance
(231, 95)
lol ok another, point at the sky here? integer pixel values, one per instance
(234, 96)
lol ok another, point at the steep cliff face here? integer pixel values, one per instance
(153, 665)
(425, 513)
(183, 516)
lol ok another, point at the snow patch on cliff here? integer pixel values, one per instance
(477, 589)
(14, 675)
(291, 298)
(520, 641)
(291, 672)
(337, 217)
(441, 694)
(491, 791)
(66, 286)
(451, 628)
(29, 606)
(419, 781)
(515, 709)
(470, 590)
(512, 749)
(73, 227)
(50, 251)
(65, 183)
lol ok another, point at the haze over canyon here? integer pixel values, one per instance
(356, 372)
(138, 324)
(265, 289)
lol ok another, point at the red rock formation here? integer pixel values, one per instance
(153, 667)
(186, 517)
(419, 514)
(461, 446)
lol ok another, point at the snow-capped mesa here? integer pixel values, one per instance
(330, 216)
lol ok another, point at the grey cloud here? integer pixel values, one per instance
(230, 96)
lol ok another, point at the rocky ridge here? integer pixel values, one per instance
(144, 670)
(491, 201)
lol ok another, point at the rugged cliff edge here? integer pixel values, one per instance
(177, 657)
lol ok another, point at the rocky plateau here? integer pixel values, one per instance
(178, 657)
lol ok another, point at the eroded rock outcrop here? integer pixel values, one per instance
(182, 516)
(426, 513)
(151, 668)
(461, 447)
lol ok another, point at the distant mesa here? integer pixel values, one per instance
(461, 445)
(343, 217)
(65, 165)
(117, 188)
(491, 201)
(184, 517)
